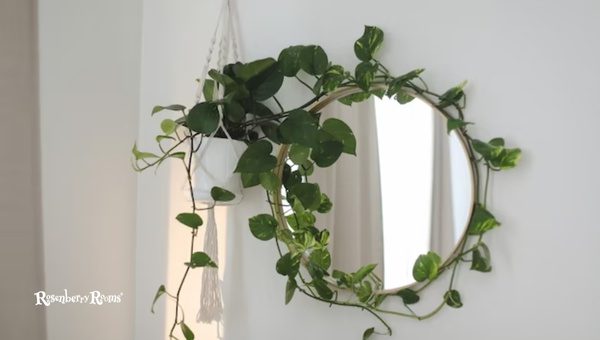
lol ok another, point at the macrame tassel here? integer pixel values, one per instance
(211, 305)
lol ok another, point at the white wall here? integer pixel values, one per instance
(89, 91)
(533, 70)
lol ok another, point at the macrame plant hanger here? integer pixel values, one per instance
(225, 36)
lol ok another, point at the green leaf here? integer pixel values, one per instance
(300, 127)
(306, 169)
(452, 96)
(488, 151)
(263, 226)
(234, 111)
(160, 138)
(508, 159)
(250, 179)
(271, 130)
(364, 291)
(174, 107)
(322, 289)
(289, 60)
(452, 298)
(270, 181)
(168, 126)
(454, 123)
(141, 155)
(309, 195)
(203, 118)
(368, 332)
(481, 221)
(290, 289)
(342, 132)
(333, 77)
(325, 205)
(403, 97)
(201, 259)
(362, 273)
(179, 155)
(222, 195)
(257, 158)
(288, 265)
(396, 84)
(355, 98)
(161, 290)
(370, 42)
(208, 89)
(252, 69)
(326, 153)
(299, 153)
(266, 78)
(378, 92)
(408, 296)
(291, 178)
(342, 278)
(320, 258)
(191, 220)
(426, 267)
(187, 332)
(313, 60)
(496, 154)
(364, 74)
(481, 259)
(221, 78)
(498, 141)
(259, 109)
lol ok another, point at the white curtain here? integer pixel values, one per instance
(352, 184)
(442, 221)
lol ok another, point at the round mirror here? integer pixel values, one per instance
(409, 189)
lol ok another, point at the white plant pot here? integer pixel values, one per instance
(214, 165)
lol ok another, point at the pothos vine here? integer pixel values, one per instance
(250, 111)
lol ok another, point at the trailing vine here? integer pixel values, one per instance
(250, 111)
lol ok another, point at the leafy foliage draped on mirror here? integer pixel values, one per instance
(305, 142)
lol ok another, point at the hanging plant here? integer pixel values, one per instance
(252, 113)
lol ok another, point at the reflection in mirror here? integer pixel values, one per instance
(425, 183)
(409, 190)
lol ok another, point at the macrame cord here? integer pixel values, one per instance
(211, 302)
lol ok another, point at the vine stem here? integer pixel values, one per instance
(338, 303)
(188, 169)
(487, 181)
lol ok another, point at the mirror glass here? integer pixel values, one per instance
(426, 186)
(408, 190)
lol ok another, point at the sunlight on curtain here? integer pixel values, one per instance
(405, 137)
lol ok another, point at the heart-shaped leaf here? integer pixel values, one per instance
(309, 195)
(300, 127)
(221, 194)
(370, 42)
(313, 60)
(201, 259)
(289, 60)
(408, 296)
(263, 226)
(257, 158)
(481, 221)
(342, 132)
(203, 118)
(191, 220)
(426, 267)
(452, 298)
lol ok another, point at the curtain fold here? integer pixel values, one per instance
(442, 210)
(352, 184)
